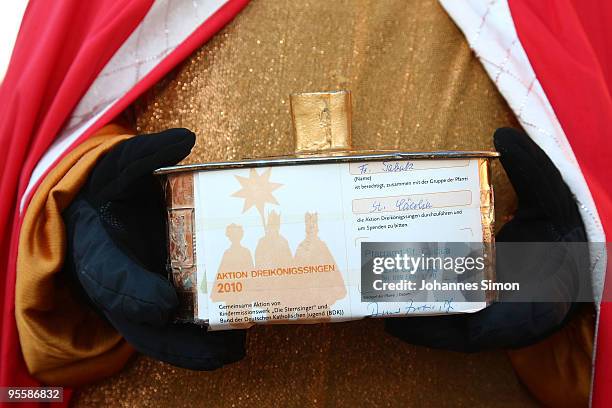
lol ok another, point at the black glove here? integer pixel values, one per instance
(116, 229)
(547, 213)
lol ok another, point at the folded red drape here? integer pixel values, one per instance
(62, 46)
(569, 45)
(60, 49)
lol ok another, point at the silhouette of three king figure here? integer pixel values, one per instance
(320, 283)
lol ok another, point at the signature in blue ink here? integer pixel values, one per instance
(377, 206)
(397, 166)
(374, 310)
(407, 204)
(434, 307)
(443, 307)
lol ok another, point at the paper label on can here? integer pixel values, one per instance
(282, 244)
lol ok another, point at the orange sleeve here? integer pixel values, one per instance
(64, 341)
(557, 370)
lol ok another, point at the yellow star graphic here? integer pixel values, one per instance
(257, 190)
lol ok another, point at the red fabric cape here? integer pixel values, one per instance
(568, 43)
(62, 46)
(60, 49)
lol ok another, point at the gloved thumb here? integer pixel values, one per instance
(119, 173)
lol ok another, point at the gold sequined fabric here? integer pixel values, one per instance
(416, 86)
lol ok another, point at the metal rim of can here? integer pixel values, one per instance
(341, 156)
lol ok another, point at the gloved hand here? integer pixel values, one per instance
(116, 229)
(546, 212)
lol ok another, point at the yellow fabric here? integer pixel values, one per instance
(558, 369)
(63, 340)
